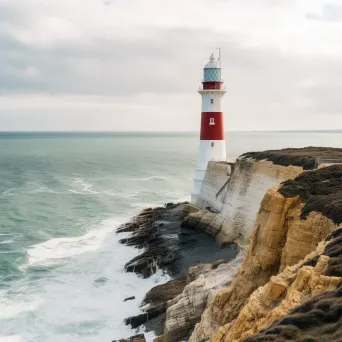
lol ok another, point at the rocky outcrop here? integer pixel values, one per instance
(136, 338)
(284, 233)
(154, 304)
(240, 199)
(174, 249)
(320, 272)
(185, 310)
(237, 200)
(287, 261)
(319, 318)
(166, 244)
(209, 222)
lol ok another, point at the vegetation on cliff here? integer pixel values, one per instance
(306, 157)
(321, 190)
(266, 287)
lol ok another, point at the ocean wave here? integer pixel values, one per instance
(71, 299)
(45, 189)
(85, 188)
(147, 178)
(144, 205)
(10, 308)
(11, 234)
(51, 251)
(8, 192)
(5, 242)
(13, 338)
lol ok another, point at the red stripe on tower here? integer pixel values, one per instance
(212, 126)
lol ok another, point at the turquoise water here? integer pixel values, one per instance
(61, 198)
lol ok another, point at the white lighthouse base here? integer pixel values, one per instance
(209, 150)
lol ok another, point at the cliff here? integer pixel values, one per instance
(165, 245)
(185, 310)
(320, 316)
(288, 266)
(234, 192)
(238, 201)
(292, 221)
(286, 291)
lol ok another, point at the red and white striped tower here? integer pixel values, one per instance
(212, 143)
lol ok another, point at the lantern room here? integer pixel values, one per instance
(212, 71)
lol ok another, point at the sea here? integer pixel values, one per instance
(62, 197)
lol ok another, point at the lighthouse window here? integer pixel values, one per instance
(211, 100)
(212, 144)
(212, 121)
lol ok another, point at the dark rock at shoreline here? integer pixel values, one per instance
(143, 220)
(136, 321)
(129, 298)
(167, 245)
(157, 299)
(305, 157)
(321, 190)
(136, 338)
(173, 249)
(162, 293)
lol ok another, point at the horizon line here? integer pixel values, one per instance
(164, 131)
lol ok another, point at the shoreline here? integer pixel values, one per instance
(175, 250)
(272, 201)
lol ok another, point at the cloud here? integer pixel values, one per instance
(137, 65)
(330, 13)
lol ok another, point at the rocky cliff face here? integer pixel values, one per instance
(240, 199)
(290, 224)
(240, 203)
(185, 310)
(312, 283)
(288, 275)
(285, 291)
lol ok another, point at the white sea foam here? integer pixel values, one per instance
(58, 248)
(83, 187)
(144, 179)
(83, 300)
(13, 338)
(8, 192)
(145, 205)
(5, 242)
(12, 308)
(45, 189)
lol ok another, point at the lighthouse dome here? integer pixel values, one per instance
(212, 70)
(212, 64)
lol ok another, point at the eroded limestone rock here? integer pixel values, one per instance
(185, 310)
(280, 239)
(136, 338)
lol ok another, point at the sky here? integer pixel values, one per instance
(136, 65)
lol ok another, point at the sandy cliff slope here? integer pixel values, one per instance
(291, 222)
(313, 284)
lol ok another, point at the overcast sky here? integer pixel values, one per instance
(137, 64)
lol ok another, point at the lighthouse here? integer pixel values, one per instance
(212, 142)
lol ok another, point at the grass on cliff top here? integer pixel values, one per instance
(320, 189)
(304, 157)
